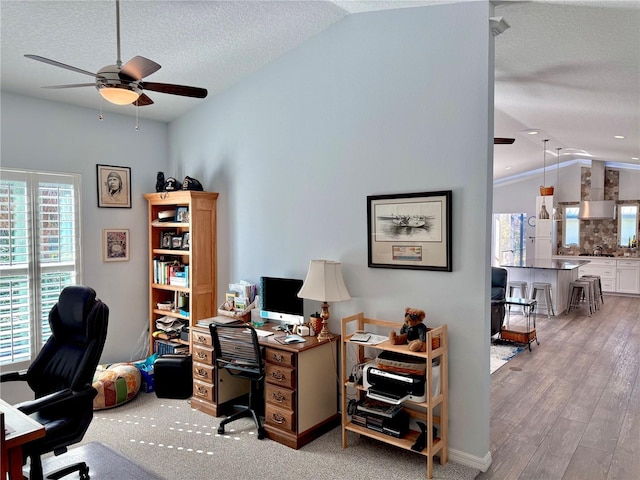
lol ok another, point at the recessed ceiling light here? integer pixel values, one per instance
(533, 132)
(507, 168)
(635, 158)
(618, 136)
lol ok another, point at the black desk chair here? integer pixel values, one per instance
(498, 298)
(237, 350)
(61, 377)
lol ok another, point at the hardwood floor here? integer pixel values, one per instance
(570, 409)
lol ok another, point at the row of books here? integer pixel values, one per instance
(170, 272)
(165, 347)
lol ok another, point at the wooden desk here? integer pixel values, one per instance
(22, 429)
(301, 389)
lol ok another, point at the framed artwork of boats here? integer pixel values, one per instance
(410, 230)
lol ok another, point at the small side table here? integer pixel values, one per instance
(518, 334)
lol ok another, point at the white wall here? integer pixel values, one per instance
(50, 136)
(387, 102)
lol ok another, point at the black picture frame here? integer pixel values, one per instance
(182, 215)
(176, 242)
(186, 241)
(166, 239)
(410, 230)
(114, 186)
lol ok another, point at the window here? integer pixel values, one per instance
(509, 238)
(628, 224)
(39, 256)
(571, 233)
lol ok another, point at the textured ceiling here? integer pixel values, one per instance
(570, 69)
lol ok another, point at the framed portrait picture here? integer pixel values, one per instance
(176, 242)
(165, 239)
(186, 243)
(114, 186)
(182, 214)
(115, 245)
(410, 230)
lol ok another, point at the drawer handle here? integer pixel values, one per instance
(202, 391)
(278, 357)
(202, 339)
(278, 418)
(201, 372)
(278, 375)
(201, 355)
(278, 397)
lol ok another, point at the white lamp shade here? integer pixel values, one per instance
(324, 282)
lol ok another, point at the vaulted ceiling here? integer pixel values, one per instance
(570, 70)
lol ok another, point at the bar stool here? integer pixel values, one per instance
(521, 286)
(545, 288)
(598, 287)
(578, 289)
(593, 287)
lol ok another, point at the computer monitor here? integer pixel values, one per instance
(279, 300)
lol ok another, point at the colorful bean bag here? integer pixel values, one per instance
(116, 384)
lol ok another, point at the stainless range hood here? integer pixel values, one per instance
(597, 208)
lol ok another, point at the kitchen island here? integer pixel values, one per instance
(559, 273)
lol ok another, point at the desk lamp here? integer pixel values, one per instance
(324, 283)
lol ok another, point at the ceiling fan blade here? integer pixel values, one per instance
(143, 100)
(503, 141)
(71, 86)
(175, 89)
(58, 64)
(139, 67)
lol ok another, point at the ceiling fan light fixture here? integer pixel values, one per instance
(119, 94)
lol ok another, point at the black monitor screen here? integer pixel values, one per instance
(279, 298)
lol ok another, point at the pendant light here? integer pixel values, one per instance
(544, 214)
(557, 211)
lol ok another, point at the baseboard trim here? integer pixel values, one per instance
(471, 461)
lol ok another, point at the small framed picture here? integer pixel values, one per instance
(186, 244)
(166, 239)
(176, 242)
(115, 245)
(114, 186)
(182, 214)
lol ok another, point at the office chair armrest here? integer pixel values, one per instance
(55, 399)
(20, 376)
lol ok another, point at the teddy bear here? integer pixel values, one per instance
(413, 331)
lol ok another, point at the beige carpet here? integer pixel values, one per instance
(175, 442)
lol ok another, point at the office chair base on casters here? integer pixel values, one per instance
(81, 468)
(243, 412)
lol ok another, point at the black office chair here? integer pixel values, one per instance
(498, 298)
(61, 377)
(237, 350)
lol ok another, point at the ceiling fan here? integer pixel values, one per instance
(122, 84)
(503, 141)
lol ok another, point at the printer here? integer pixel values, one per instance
(394, 378)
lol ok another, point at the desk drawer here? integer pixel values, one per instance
(202, 338)
(279, 357)
(203, 390)
(280, 418)
(279, 375)
(202, 354)
(202, 371)
(280, 397)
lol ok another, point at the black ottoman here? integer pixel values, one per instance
(173, 376)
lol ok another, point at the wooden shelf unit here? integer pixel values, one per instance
(423, 411)
(201, 226)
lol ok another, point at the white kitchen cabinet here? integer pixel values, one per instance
(605, 268)
(545, 229)
(628, 276)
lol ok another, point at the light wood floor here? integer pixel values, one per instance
(570, 409)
